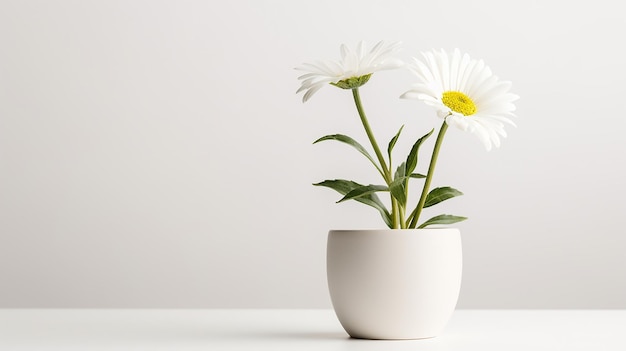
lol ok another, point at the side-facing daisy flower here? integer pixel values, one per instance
(353, 69)
(465, 92)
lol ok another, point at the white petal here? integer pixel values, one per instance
(470, 71)
(432, 63)
(444, 63)
(360, 48)
(455, 63)
(464, 65)
(422, 71)
(344, 51)
(482, 135)
(391, 63)
(459, 122)
(481, 88)
(479, 75)
(310, 92)
(498, 88)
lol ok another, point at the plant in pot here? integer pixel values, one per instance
(403, 282)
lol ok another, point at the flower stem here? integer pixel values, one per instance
(386, 171)
(368, 130)
(431, 169)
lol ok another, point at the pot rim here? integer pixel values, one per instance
(369, 230)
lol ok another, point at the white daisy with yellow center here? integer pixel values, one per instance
(465, 92)
(353, 69)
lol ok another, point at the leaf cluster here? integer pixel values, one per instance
(396, 184)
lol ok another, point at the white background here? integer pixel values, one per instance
(155, 154)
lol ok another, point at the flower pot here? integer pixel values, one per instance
(394, 283)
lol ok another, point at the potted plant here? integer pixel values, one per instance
(403, 282)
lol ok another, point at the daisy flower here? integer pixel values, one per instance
(353, 69)
(465, 93)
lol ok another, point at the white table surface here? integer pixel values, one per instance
(300, 330)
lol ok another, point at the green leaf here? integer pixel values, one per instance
(442, 219)
(393, 141)
(417, 176)
(400, 171)
(411, 160)
(398, 186)
(343, 187)
(346, 139)
(363, 191)
(440, 194)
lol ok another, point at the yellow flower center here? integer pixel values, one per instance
(459, 102)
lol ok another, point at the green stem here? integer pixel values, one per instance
(368, 130)
(394, 213)
(386, 171)
(404, 223)
(397, 211)
(431, 169)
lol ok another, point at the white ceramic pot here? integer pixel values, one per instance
(394, 283)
